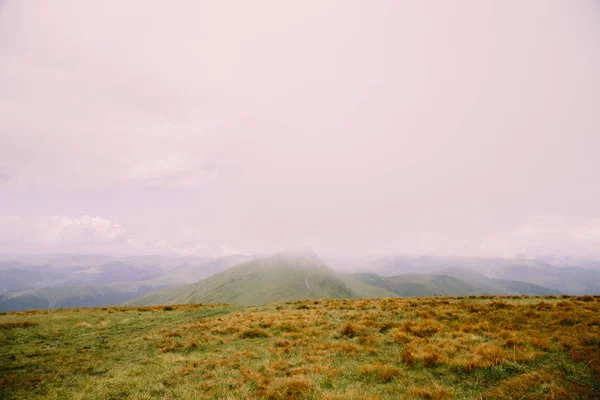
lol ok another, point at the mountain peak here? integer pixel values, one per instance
(296, 254)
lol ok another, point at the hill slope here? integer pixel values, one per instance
(285, 276)
(410, 285)
(454, 283)
(571, 280)
(72, 296)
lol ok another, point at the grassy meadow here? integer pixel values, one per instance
(419, 348)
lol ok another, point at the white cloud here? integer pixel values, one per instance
(188, 249)
(547, 235)
(91, 234)
(58, 233)
(344, 125)
(169, 172)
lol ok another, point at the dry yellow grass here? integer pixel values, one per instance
(432, 348)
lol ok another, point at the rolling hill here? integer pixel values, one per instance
(24, 287)
(469, 284)
(494, 275)
(72, 296)
(411, 285)
(290, 275)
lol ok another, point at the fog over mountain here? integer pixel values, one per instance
(370, 129)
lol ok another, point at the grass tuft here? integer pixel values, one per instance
(254, 333)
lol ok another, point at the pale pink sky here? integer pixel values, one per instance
(354, 127)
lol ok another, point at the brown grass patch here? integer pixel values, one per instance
(294, 387)
(531, 385)
(349, 330)
(253, 333)
(382, 373)
(14, 325)
(422, 328)
(434, 392)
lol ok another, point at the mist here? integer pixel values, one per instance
(355, 128)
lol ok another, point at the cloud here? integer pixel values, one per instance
(92, 234)
(169, 172)
(188, 249)
(59, 233)
(540, 235)
(352, 127)
(6, 174)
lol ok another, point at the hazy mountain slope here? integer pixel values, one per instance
(526, 288)
(571, 279)
(467, 283)
(72, 296)
(40, 276)
(32, 277)
(498, 286)
(422, 285)
(284, 276)
(431, 285)
(192, 271)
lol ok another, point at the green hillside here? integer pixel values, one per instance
(498, 286)
(526, 288)
(285, 276)
(410, 285)
(456, 282)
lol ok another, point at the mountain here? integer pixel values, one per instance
(191, 270)
(499, 286)
(72, 296)
(24, 286)
(471, 284)
(290, 275)
(570, 280)
(410, 285)
(567, 278)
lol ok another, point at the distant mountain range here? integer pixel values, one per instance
(571, 279)
(410, 285)
(91, 281)
(51, 281)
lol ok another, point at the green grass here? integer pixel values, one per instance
(63, 353)
(427, 348)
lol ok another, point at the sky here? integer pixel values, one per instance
(356, 128)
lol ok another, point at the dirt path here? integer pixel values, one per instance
(306, 282)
